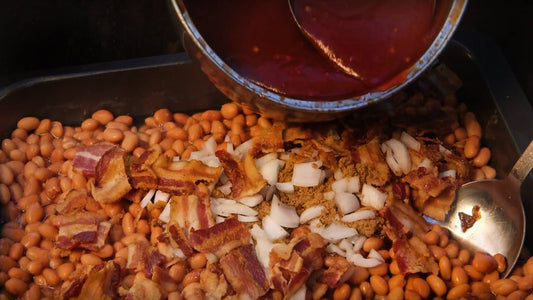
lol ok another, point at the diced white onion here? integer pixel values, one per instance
(219, 219)
(346, 202)
(426, 163)
(270, 170)
(345, 245)
(263, 245)
(340, 186)
(335, 232)
(374, 254)
(371, 196)
(286, 187)
(444, 151)
(251, 201)
(147, 198)
(243, 148)
(225, 188)
(400, 155)
(358, 260)
(410, 141)
(226, 210)
(272, 229)
(247, 219)
(338, 174)
(165, 214)
(311, 213)
(283, 214)
(265, 159)
(352, 184)
(332, 248)
(161, 196)
(362, 214)
(448, 173)
(308, 174)
(357, 242)
(210, 146)
(329, 195)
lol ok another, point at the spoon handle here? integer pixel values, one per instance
(524, 164)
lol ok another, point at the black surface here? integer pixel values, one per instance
(41, 37)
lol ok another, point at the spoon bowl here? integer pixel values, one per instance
(501, 226)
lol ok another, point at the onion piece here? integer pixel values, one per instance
(251, 201)
(410, 141)
(307, 174)
(338, 174)
(226, 209)
(362, 214)
(243, 148)
(161, 196)
(225, 188)
(426, 163)
(147, 198)
(283, 214)
(358, 260)
(272, 229)
(345, 245)
(265, 159)
(263, 245)
(374, 254)
(329, 195)
(357, 242)
(247, 219)
(400, 155)
(286, 187)
(346, 202)
(335, 232)
(444, 151)
(448, 173)
(270, 170)
(165, 214)
(332, 248)
(371, 196)
(352, 184)
(311, 213)
(340, 186)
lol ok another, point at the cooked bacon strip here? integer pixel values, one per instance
(244, 175)
(413, 256)
(371, 164)
(191, 211)
(138, 252)
(310, 246)
(220, 238)
(438, 207)
(404, 219)
(72, 202)
(111, 181)
(84, 229)
(244, 272)
(427, 184)
(178, 235)
(87, 158)
(181, 177)
(102, 283)
(336, 275)
(269, 140)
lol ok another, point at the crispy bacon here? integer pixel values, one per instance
(438, 207)
(191, 211)
(269, 140)
(111, 181)
(142, 257)
(336, 275)
(143, 289)
(244, 272)
(220, 238)
(413, 256)
(83, 229)
(404, 219)
(72, 202)
(102, 282)
(180, 238)
(244, 175)
(426, 184)
(372, 166)
(87, 158)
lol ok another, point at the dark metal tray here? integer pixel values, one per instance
(139, 87)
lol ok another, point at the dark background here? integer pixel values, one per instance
(39, 37)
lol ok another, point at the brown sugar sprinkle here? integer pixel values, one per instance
(42, 193)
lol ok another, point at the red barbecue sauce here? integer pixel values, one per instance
(260, 40)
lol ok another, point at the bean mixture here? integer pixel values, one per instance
(36, 169)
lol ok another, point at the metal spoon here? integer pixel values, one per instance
(501, 228)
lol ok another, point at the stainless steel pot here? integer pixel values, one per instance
(269, 103)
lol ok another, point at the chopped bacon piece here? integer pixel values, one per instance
(72, 202)
(102, 282)
(244, 175)
(337, 273)
(181, 177)
(244, 272)
(371, 164)
(191, 211)
(87, 158)
(142, 257)
(310, 246)
(404, 219)
(220, 238)
(269, 140)
(111, 181)
(297, 133)
(438, 207)
(180, 238)
(426, 184)
(143, 289)
(413, 256)
(84, 230)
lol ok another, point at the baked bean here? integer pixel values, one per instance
(32, 151)
(421, 287)
(197, 261)
(6, 175)
(229, 110)
(525, 283)
(55, 262)
(143, 227)
(436, 284)
(489, 172)
(191, 277)
(527, 268)
(437, 251)
(464, 256)
(44, 126)
(484, 262)
(19, 273)
(472, 126)
(379, 285)
(90, 259)
(366, 290)
(46, 149)
(500, 260)
(162, 115)
(396, 281)
(381, 269)
(431, 238)
(411, 295)
(36, 253)
(64, 270)
(452, 249)
(106, 251)
(503, 286)
(342, 292)
(458, 292)
(113, 135)
(16, 251)
(57, 129)
(460, 134)
(177, 272)
(395, 293)
(103, 116)
(473, 273)
(28, 123)
(491, 277)
(124, 119)
(16, 286)
(34, 213)
(195, 132)
(31, 239)
(33, 292)
(518, 295)
(7, 263)
(127, 224)
(372, 243)
(51, 277)
(459, 276)
(5, 194)
(449, 139)
(445, 268)
(178, 133)
(78, 181)
(42, 174)
(211, 115)
(90, 124)
(117, 125)
(482, 158)
(472, 146)
(479, 288)
(14, 234)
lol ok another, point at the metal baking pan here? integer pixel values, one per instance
(139, 87)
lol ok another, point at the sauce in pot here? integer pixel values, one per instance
(261, 41)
